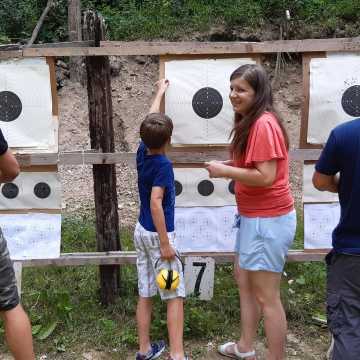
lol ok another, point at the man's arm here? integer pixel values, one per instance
(162, 85)
(9, 167)
(157, 213)
(324, 182)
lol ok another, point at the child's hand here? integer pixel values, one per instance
(167, 252)
(162, 85)
(216, 169)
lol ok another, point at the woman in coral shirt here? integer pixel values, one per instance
(266, 218)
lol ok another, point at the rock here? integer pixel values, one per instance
(141, 60)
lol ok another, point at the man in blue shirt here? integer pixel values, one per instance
(338, 171)
(154, 235)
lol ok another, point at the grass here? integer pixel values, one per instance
(63, 303)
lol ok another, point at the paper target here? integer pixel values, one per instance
(334, 94)
(197, 99)
(194, 188)
(312, 195)
(10, 106)
(26, 117)
(205, 229)
(207, 102)
(31, 190)
(32, 236)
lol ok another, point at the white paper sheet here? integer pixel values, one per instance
(205, 229)
(33, 235)
(26, 198)
(186, 78)
(319, 223)
(190, 196)
(30, 81)
(312, 195)
(329, 78)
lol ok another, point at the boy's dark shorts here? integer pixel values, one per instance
(9, 297)
(343, 304)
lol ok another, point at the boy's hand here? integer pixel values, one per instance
(167, 252)
(162, 86)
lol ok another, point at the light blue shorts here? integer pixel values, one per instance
(262, 243)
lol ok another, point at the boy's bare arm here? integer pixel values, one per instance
(162, 85)
(157, 213)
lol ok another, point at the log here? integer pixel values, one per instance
(102, 139)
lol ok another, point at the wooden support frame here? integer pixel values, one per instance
(306, 58)
(122, 48)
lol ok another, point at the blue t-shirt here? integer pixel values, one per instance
(155, 170)
(342, 155)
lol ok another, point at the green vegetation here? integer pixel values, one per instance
(176, 19)
(65, 312)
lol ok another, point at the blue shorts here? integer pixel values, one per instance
(262, 243)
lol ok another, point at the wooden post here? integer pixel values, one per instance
(74, 27)
(102, 139)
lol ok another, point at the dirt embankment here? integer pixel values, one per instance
(132, 90)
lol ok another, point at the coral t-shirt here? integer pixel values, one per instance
(266, 142)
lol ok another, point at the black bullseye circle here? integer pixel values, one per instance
(350, 100)
(205, 187)
(42, 190)
(10, 106)
(178, 188)
(207, 102)
(10, 190)
(232, 187)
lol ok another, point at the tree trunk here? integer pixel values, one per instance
(102, 139)
(74, 27)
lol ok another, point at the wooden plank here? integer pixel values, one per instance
(179, 157)
(18, 272)
(306, 58)
(10, 54)
(55, 104)
(119, 48)
(65, 44)
(129, 257)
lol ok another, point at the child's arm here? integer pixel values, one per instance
(162, 85)
(157, 213)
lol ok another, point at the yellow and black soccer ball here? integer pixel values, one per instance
(168, 279)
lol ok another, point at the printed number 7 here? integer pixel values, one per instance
(199, 277)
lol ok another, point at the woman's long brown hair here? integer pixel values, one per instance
(257, 78)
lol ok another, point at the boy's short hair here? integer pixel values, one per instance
(156, 130)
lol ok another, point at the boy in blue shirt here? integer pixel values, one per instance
(154, 235)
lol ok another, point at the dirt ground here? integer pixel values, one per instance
(132, 91)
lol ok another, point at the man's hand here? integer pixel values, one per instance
(167, 252)
(216, 169)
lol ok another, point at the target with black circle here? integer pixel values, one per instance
(231, 187)
(178, 188)
(207, 102)
(10, 190)
(10, 106)
(42, 190)
(350, 100)
(205, 187)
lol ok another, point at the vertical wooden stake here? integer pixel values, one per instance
(102, 139)
(18, 273)
(74, 27)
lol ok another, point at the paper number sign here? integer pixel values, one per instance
(199, 276)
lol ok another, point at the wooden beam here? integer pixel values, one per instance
(185, 156)
(129, 257)
(122, 48)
